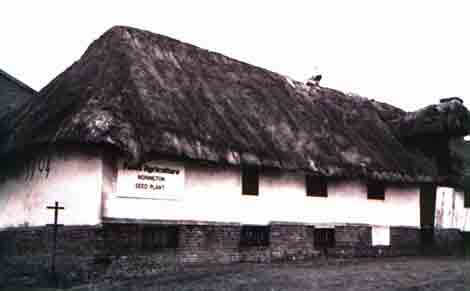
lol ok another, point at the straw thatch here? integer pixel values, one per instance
(147, 94)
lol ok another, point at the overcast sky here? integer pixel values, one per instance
(407, 53)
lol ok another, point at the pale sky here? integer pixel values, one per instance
(406, 53)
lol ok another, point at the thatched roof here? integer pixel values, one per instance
(148, 94)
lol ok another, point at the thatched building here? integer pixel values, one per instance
(153, 144)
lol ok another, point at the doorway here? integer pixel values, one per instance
(427, 201)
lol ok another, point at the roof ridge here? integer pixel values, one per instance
(18, 82)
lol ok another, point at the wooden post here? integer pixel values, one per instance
(55, 226)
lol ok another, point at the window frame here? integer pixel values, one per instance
(372, 187)
(262, 233)
(324, 238)
(170, 232)
(250, 180)
(316, 188)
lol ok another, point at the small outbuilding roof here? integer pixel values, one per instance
(13, 93)
(147, 95)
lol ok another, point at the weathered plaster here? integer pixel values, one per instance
(86, 185)
(214, 194)
(74, 180)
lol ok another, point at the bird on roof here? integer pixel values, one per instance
(315, 79)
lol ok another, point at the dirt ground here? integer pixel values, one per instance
(411, 273)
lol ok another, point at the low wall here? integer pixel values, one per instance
(449, 241)
(356, 241)
(111, 252)
(25, 255)
(292, 242)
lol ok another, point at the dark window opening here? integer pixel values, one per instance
(466, 199)
(376, 190)
(427, 204)
(427, 237)
(252, 235)
(159, 237)
(120, 237)
(250, 181)
(211, 239)
(324, 238)
(316, 186)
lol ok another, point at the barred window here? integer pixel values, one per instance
(250, 181)
(375, 190)
(211, 239)
(159, 237)
(316, 186)
(323, 238)
(254, 235)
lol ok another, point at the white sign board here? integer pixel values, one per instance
(380, 235)
(152, 180)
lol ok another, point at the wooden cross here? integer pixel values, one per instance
(55, 226)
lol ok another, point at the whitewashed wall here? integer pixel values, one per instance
(74, 181)
(450, 211)
(214, 194)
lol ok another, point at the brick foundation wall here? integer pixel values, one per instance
(449, 241)
(405, 241)
(353, 236)
(117, 251)
(38, 240)
(405, 237)
(255, 254)
(291, 242)
(208, 244)
(351, 241)
(25, 255)
(356, 241)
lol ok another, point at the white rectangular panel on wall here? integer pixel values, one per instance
(152, 180)
(450, 209)
(380, 235)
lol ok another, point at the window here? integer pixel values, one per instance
(250, 181)
(121, 236)
(254, 235)
(211, 239)
(375, 190)
(316, 186)
(159, 237)
(466, 199)
(324, 238)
